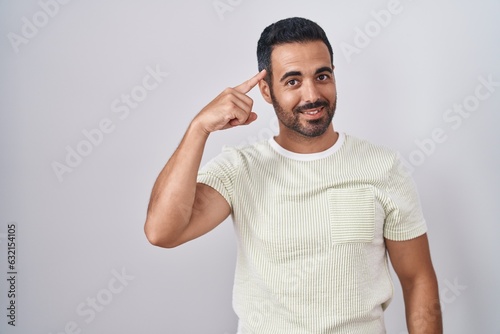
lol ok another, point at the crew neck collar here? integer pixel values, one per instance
(308, 156)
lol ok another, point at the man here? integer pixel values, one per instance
(314, 210)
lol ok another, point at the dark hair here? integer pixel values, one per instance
(291, 30)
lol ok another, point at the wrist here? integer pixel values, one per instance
(198, 129)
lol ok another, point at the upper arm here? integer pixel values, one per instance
(210, 209)
(411, 260)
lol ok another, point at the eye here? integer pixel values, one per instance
(291, 82)
(323, 77)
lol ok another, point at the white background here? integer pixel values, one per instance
(77, 232)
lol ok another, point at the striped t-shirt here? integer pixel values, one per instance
(311, 229)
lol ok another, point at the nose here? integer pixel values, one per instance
(310, 92)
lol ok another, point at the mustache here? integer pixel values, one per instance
(312, 105)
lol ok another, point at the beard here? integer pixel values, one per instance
(306, 128)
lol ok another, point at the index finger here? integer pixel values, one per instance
(251, 83)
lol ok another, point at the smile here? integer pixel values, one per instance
(314, 112)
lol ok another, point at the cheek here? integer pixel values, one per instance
(289, 99)
(329, 92)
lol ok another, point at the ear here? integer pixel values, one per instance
(265, 90)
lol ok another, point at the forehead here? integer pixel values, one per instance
(303, 57)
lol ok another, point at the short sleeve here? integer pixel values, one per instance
(220, 173)
(404, 218)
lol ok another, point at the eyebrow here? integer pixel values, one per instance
(298, 73)
(324, 69)
(290, 74)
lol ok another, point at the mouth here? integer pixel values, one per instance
(313, 113)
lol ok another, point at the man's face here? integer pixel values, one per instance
(303, 90)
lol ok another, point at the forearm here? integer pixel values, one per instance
(423, 311)
(174, 191)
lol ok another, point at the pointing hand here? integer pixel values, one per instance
(230, 108)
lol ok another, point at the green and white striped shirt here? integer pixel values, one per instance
(311, 228)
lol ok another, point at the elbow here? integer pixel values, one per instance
(155, 240)
(159, 238)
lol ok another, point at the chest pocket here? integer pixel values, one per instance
(352, 214)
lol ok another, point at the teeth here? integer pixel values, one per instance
(311, 112)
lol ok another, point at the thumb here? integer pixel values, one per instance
(251, 117)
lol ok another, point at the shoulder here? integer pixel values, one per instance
(381, 159)
(237, 155)
(256, 151)
(363, 148)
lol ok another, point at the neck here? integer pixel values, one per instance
(295, 142)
